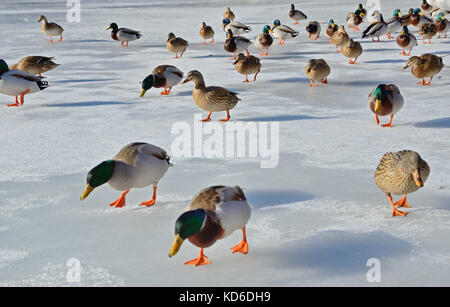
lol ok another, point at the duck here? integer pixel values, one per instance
(331, 29)
(352, 49)
(339, 38)
(211, 98)
(296, 14)
(51, 28)
(417, 19)
(401, 173)
(165, 76)
(377, 28)
(206, 32)
(442, 25)
(235, 26)
(405, 18)
(317, 70)
(427, 65)
(19, 83)
(176, 44)
(35, 65)
(385, 100)
(236, 44)
(354, 19)
(247, 65)
(363, 11)
(313, 28)
(213, 214)
(263, 41)
(394, 23)
(136, 165)
(426, 7)
(228, 14)
(123, 34)
(427, 30)
(282, 32)
(406, 40)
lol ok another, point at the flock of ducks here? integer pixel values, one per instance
(215, 212)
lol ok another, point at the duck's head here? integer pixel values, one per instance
(225, 21)
(97, 176)
(3, 67)
(113, 26)
(240, 57)
(276, 23)
(417, 11)
(147, 84)
(360, 6)
(405, 30)
(266, 29)
(203, 24)
(411, 62)
(441, 16)
(187, 225)
(411, 163)
(193, 75)
(292, 6)
(379, 93)
(359, 12)
(170, 36)
(229, 33)
(397, 13)
(42, 18)
(331, 23)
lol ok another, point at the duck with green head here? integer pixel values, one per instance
(263, 40)
(406, 40)
(385, 100)
(123, 34)
(394, 23)
(442, 25)
(331, 29)
(354, 19)
(165, 76)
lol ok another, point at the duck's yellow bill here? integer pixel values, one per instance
(108, 28)
(377, 105)
(176, 245)
(86, 192)
(184, 81)
(142, 93)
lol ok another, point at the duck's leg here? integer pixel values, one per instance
(151, 202)
(429, 82)
(403, 52)
(14, 104)
(356, 28)
(409, 52)
(254, 78)
(127, 44)
(267, 52)
(247, 52)
(246, 79)
(212, 41)
(234, 56)
(377, 119)
(296, 22)
(168, 92)
(260, 52)
(182, 53)
(325, 81)
(176, 55)
(243, 246)
(204, 42)
(422, 82)
(429, 41)
(51, 39)
(22, 96)
(316, 37)
(402, 202)
(396, 212)
(200, 260)
(390, 122)
(207, 119)
(60, 38)
(312, 83)
(121, 44)
(120, 202)
(228, 117)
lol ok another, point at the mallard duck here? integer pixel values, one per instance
(236, 27)
(318, 70)
(247, 65)
(405, 18)
(401, 173)
(352, 49)
(51, 28)
(339, 38)
(385, 100)
(331, 29)
(137, 165)
(123, 34)
(377, 28)
(406, 40)
(427, 30)
(176, 44)
(313, 28)
(296, 14)
(228, 14)
(206, 32)
(363, 11)
(282, 31)
(236, 44)
(263, 41)
(213, 214)
(442, 25)
(354, 19)
(427, 65)
(211, 98)
(165, 76)
(417, 19)
(35, 65)
(19, 83)
(394, 23)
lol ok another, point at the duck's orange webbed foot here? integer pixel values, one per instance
(228, 117)
(396, 212)
(242, 247)
(311, 84)
(14, 104)
(207, 119)
(120, 202)
(152, 201)
(200, 260)
(402, 203)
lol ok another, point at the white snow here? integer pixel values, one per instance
(317, 217)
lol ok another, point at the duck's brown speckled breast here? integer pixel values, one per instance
(210, 233)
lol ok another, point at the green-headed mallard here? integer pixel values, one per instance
(427, 30)
(363, 11)
(282, 32)
(35, 65)
(313, 28)
(213, 214)
(339, 38)
(331, 29)
(442, 25)
(394, 23)
(228, 14)
(19, 83)
(211, 98)
(263, 41)
(406, 40)
(206, 32)
(123, 34)
(165, 76)
(137, 165)
(377, 28)
(405, 18)
(385, 100)
(351, 49)
(318, 70)
(51, 28)
(427, 65)
(417, 19)
(247, 65)
(401, 173)
(354, 19)
(235, 26)
(236, 44)
(296, 14)
(176, 44)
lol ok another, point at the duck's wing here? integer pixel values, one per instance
(287, 29)
(24, 75)
(372, 29)
(129, 152)
(130, 31)
(162, 69)
(213, 196)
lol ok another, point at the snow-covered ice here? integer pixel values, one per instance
(317, 217)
